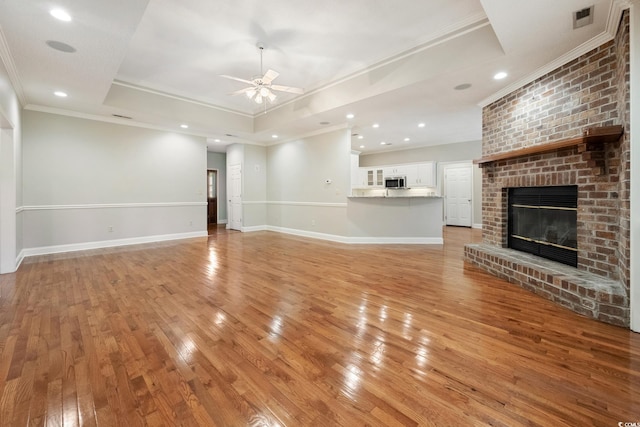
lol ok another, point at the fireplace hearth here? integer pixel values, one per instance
(542, 221)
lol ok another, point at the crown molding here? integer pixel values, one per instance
(309, 134)
(613, 22)
(615, 12)
(179, 98)
(14, 77)
(109, 119)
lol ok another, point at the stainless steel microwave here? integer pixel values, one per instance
(395, 182)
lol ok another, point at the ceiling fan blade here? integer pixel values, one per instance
(287, 89)
(269, 76)
(245, 90)
(237, 79)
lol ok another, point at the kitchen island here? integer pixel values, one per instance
(395, 216)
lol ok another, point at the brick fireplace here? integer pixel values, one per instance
(547, 134)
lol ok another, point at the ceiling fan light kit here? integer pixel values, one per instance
(261, 88)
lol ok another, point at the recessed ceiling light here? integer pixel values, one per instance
(501, 75)
(383, 143)
(376, 125)
(184, 126)
(350, 116)
(360, 137)
(407, 139)
(60, 94)
(362, 146)
(463, 86)
(60, 14)
(216, 140)
(274, 136)
(421, 125)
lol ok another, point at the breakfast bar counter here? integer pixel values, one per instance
(396, 219)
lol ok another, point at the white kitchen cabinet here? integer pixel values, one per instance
(362, 178)
(398, 170)
(355, 170)
(421, 175)
(375, 177)
(418, 175)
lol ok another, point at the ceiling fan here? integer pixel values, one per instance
(261, 88)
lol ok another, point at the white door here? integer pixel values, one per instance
(235, 197)
(457, 193)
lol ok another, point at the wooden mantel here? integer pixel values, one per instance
(604, 134)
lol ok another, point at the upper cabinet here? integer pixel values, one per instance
(398, 170)
(421, 175)
(418, 175)
(375, 177)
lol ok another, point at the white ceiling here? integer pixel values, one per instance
(395, 63)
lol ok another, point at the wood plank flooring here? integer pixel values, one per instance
(264, 329)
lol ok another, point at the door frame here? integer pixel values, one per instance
(230, 194)
(217, 194)
(443, 166)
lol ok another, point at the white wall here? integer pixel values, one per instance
(254, 185)
(463, 151)
(10, 174)
(299, 198)
(440, 153)
(218, 161)
(90, 184)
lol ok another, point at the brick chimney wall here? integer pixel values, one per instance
(590, 91)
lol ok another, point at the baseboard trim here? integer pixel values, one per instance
(310, 234)
(74, 247)
(222, 221)
(397, 240)
(478, 226)
(20, 258)
(350, 240)
(254, 228)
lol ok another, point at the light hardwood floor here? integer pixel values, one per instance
(267, 329)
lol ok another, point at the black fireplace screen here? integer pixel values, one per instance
(542, 221)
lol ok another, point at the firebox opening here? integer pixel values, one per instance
(543, 220)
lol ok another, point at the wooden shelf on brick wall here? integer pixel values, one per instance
(604, 134)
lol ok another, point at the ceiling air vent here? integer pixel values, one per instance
(120, 116)
(582, 17)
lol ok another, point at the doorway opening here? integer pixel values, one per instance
(212, 197)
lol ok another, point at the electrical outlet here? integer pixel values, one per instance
(110, 229)
(313, 222)
(191, 223)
